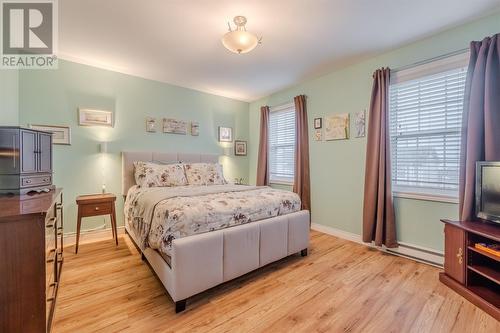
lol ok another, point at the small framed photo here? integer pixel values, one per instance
(318, 123)
(318, 135)
(240, 148)
(195, 128)
(61, 135)
(88, 117)
(150, 125)
(225, 134)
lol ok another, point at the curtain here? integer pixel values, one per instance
(378, 211)
(302, 184)
(481, 118)
(262, 162)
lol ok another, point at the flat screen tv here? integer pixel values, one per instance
(488, 191)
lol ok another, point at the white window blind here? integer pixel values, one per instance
(425, 127)
(282, 144)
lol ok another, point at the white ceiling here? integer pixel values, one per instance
(178, 41)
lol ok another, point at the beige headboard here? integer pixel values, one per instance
(128, 159)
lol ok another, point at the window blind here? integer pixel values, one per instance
(425, 127)
(282, 144)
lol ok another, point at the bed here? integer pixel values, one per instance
(197, 237)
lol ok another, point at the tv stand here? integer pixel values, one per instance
(472, 272)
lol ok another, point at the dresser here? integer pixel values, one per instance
(31, 258)
(25, 160)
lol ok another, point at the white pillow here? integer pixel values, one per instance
(204, 174)
(159, 175)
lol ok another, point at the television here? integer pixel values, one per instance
(488, 191)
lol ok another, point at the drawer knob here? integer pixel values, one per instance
(28, 181)
(97, 208)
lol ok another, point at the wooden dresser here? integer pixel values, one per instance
(472, 272)
(31, 257)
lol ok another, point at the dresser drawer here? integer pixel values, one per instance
(29, 181)
(33, 204)
(96, 209)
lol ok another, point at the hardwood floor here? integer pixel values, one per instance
(340, 287)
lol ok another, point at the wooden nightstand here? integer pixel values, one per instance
(96, 205)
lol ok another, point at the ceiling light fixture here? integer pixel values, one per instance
(240, 40)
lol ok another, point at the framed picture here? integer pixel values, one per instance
(150, 125)
(337, 127)
(61, 135)
(174, 126)
(225, 134)
(240, 148)
(318, 123)
(318, 136)
(195, 128)
(88, 117)
(359, 123)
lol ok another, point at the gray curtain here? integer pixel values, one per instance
(262, 162)
(481, 118)
(378, 211)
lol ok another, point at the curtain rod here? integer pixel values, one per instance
(450, 54)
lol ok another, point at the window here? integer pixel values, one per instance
(425, 108)
(282, 144)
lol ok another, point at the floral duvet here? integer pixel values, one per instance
(157, 216)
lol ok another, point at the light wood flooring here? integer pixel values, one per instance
(340, 287)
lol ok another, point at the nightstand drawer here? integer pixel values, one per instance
(96, 209)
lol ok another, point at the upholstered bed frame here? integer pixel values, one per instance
(203, 261)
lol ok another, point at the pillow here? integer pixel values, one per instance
(204, 174)
(159, 175)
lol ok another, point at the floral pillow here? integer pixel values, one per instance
(159, 175)
(205, 174)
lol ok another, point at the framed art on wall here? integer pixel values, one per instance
(174, 126)
(150, 125)
(225, 134)
(61, 135)
(195, 128)
(88, 117)
(318, 123)
(337, 127)
(240, 148)
(359, 123)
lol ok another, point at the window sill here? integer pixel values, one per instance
(426, 197)
(277, 182)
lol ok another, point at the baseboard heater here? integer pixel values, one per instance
(427, 256)
(410, 251)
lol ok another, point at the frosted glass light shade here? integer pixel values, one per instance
(240, 41)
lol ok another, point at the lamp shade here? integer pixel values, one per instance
(240, 41)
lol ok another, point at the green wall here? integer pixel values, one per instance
(52, 97)
(9, 97)
(337, 167)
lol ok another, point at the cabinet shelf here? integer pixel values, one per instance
(484, 253)
(487, 272)
(486, 293)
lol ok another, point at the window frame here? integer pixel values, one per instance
(422, 70)
(280, 108)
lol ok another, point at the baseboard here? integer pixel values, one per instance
(91, 236)
(410, 251)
